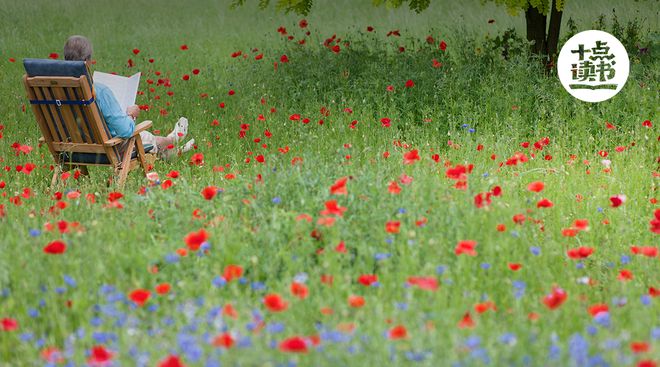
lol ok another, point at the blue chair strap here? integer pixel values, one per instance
(60, 102)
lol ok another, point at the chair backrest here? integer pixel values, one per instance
(62, 97)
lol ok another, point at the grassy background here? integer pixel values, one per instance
(254, 224)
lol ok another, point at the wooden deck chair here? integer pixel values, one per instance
(62, 97)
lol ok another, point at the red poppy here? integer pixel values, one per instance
(536, 186)
(284, 59)
(598, 308)
(580, 252)
(299, 290)
(194, 240)
(544, 203)
(171, 361)
(294, 344)
(397, 332)
(99, 356)
(356, 301)
(640, 347)
(647, 123)
(644, 250)
(54, 55)
(367, 279)
(411, 157)
(163, 288)
(183, 47)
(625, 275)
(232, 272)
(484, 306)
(55, 247)
(409, 83)
(466, 247)
(209, 192)
(8, 324)
(443, 45)
(555, 298)
(139, 296)
(424, 283)
(275, 303)
(466, 322)
(224, 340)
(617, 200)
(392, 226)
(332, 208)
(339, 187)
(197, 159)
(515, 266)
(394, 187)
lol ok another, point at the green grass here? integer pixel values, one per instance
(254, 223)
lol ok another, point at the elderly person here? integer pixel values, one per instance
(122, 123)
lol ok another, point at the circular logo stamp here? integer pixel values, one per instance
(593, 66)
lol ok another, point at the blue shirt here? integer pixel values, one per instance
(119, 123)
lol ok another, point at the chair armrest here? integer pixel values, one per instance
(142, 126)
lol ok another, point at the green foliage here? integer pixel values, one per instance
(300, 7)
(415, 5)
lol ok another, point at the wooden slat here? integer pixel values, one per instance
(79, 148)
(53, 81)
(56, 130)
(82, 127)
(81, 116)
(66, 115)
(86, 113)
(65, 134)
(94, 115)
(41, 121)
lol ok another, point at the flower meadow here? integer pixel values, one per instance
(367, 187)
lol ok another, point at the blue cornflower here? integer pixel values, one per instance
(472, 341)
(219, 281)
(277, 200)
(382, 256)
(485, 266)
(625, 259)
(33, 312)
(258, 286)
(535, 250)
(69, 281)
(35, 233)
(172, 258)
(275, 327)
(440, 269)
(578, 348)
(472, 130)
(508, 339)
(603, 319)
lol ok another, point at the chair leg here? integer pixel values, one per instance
(56, 175)
(141, 155)
(125, 163)
(83, 170)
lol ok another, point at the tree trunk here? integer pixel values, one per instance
(553, 33)
(536, 30)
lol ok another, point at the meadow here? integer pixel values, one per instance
(368, 187)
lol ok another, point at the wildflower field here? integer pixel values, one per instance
(368, 187)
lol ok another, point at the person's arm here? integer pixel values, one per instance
(119, 123)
